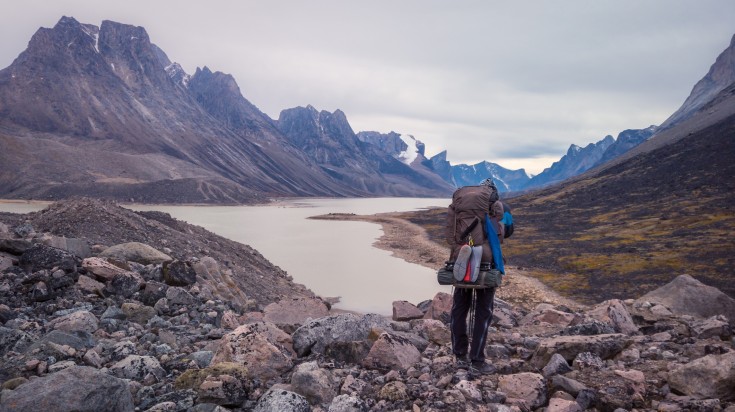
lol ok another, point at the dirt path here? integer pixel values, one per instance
(410, 242)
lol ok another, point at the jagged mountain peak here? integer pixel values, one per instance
(178, 74)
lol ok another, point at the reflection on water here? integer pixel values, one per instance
(332, 258)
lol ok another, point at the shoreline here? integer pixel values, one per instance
(410, 242)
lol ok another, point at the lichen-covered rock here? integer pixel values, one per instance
(315, 335)
(40, 256)
(78, 389)
(282, 400)
(138, 368)
(347, 403)
(126, 284)
(394, 391)
(250, 346)
(179, 273)
(138, 313)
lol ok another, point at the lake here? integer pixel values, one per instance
(332, 258)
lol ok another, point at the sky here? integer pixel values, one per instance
(511, 82)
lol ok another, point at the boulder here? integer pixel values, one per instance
(347, 403)
(556, 366)
(712, 376)
(101, 268)
(250, 346)
(392, 352)
(179, 273)
(179, 296)
(138, 313)
(40, 256)
(530, 387)
(290, 313)
(139, 368)
(348, 352)
(714, 327)
(13, 339)
(315, 384)
(282, 400)
(563, 405)
(687, 296)
(470, 390)
(614, 313)
(546, 313)
(126, 284)
(152, 292)
(440, 307)
(432, 330)
(78, 388)
(315, 335)
(14, 246)
(136, 252)
(404, 310)
(89, 285)
(394, 391)
(591, 327)
(80, 321)
(604, 346)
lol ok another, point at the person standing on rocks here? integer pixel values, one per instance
(470, 205)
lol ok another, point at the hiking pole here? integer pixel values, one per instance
(473, 305)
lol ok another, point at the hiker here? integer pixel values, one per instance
(470, 204)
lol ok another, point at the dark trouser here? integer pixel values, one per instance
(483, 316)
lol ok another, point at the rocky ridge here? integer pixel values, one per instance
(133, 326)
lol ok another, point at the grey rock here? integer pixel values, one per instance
(315, 384)
(567, 385)
(290, 313)
(392, 352)
(714, 327)
(614, 313)
(531, 387)
(136, 252)
(348, 352)
(138, 368)
(113, 312)
(687, 296)
(347, 403)
(179, 273)
(126, 284)
(201, 358)
(179, 296)
(257, 348)
(593, 327)
(80, 321)
(24, 230)
(75, 246)
(556, 366)
(404, 310)
(78, 389)
(14, 246)
(40, 292)
(282, 400)
(315, 335)
(604, 346)
(152, 292)
(587, 360)
(712, 376)
(40, 256)
(13, 339)
(138, 313)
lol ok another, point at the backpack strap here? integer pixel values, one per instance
(470, 228)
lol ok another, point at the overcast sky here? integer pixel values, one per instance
(512, 82)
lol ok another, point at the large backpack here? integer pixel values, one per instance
(469, 205)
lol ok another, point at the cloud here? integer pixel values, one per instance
(485, 80)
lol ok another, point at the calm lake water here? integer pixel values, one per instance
(332, 258)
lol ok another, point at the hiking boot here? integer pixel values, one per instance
(482, 368)
(462, 362)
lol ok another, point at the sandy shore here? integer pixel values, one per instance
(410, 242)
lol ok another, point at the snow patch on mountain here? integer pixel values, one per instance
(411, 153)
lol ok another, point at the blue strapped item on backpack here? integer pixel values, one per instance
(492, 237)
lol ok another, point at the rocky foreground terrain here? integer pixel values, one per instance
(104, 309)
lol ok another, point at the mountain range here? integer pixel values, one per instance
(103, 112)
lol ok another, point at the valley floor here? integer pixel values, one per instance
(410, 242)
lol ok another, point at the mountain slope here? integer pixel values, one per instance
(720, 76)
(328, 139)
